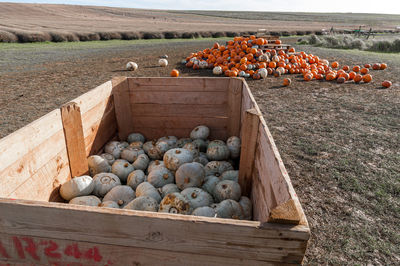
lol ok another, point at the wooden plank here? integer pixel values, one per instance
(72, 123)
(155, 133)
(205, 110)
(179, 85)
(259, 198)
(21, 142)
(234, 106)
(178, 98)
(176, 233)
(122, 106)
(93, 97)
(50, 251)
(285, 213)
(248, 138)
(46, 181)
(99, 125)
(187, 122)
(21, 170)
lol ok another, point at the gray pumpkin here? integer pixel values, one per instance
(197, 197)
(210, 182)
(230, 175)
(109, 204)
(217, 151)
(143, 203)
(204, 211)
(175, 203)
(141, 162)
(160, 177)
(171, 140)
(135, 178)
(98, 164)
(154, 164)
(76, 187)
(181, 142)
(151, 150)
(200, 132)
(162, 147)
(123, 145)
(200, 144)
(122, 195)
(109, 158)
(247, 207)
(104, 182)
(169, 188)
(136, 145)
(113, 148)
(86, 200)
(134, 137)
(217, 167)
(233, 144)
(190, 175)
(192, 148)
(122, 169)
(147, 189)
(131, 154)
(176, 157)
(229, 209)
(202, 158)
(227, 189)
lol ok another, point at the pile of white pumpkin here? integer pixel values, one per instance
(192, 176)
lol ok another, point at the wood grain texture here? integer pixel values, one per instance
(73, 132)
(204, 110)
(285, 213)
(234, 106)
(208, 236)
(122, 106)
(50, 251)
(155, 133)
(248, 138)
(178, 98)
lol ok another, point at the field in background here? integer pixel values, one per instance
(42, 22)
(339, 142)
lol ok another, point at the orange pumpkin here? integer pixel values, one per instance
(386, 83)
(376, 66)
(358, 78)
(367, 78)
(356, 69)
(174, 73)
(286, 82)
(352, 74)
(383, 66)
(278, 42)
(308, 77)
(367, 65)
(272, 64)
(346, 68)
(335, 64)
(256, 76)
(364, 70)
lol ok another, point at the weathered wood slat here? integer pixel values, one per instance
(122, 106)
(179, 85)
(234, 106)
(93, 97)
(75, 144)
(48, 251)
(207, 236)
(204, 110)
(178, 98)
(259, 198)
(248, 137)
(170, 122)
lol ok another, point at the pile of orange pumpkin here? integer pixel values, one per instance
(243, 57)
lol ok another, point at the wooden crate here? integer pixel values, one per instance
(37, 228)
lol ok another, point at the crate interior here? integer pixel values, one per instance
(34, 160)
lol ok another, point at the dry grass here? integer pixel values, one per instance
(6, 36)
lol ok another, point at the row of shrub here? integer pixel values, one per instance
(350, 42)
(25, 36)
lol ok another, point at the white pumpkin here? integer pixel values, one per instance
(86, 200)
(263, 73)
(131, 66)
(76, 187)
(122, 195)
(98, 164)
(163, 62)
(217, 70)
(203, 64)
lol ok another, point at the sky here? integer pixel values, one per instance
(354, 6)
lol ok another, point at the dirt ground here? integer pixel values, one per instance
(73, 18)
(340, 143)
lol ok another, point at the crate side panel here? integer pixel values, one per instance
(35, 154)
(215, 237)
(50, 251)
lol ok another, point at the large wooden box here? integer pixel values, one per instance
(37, 228)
